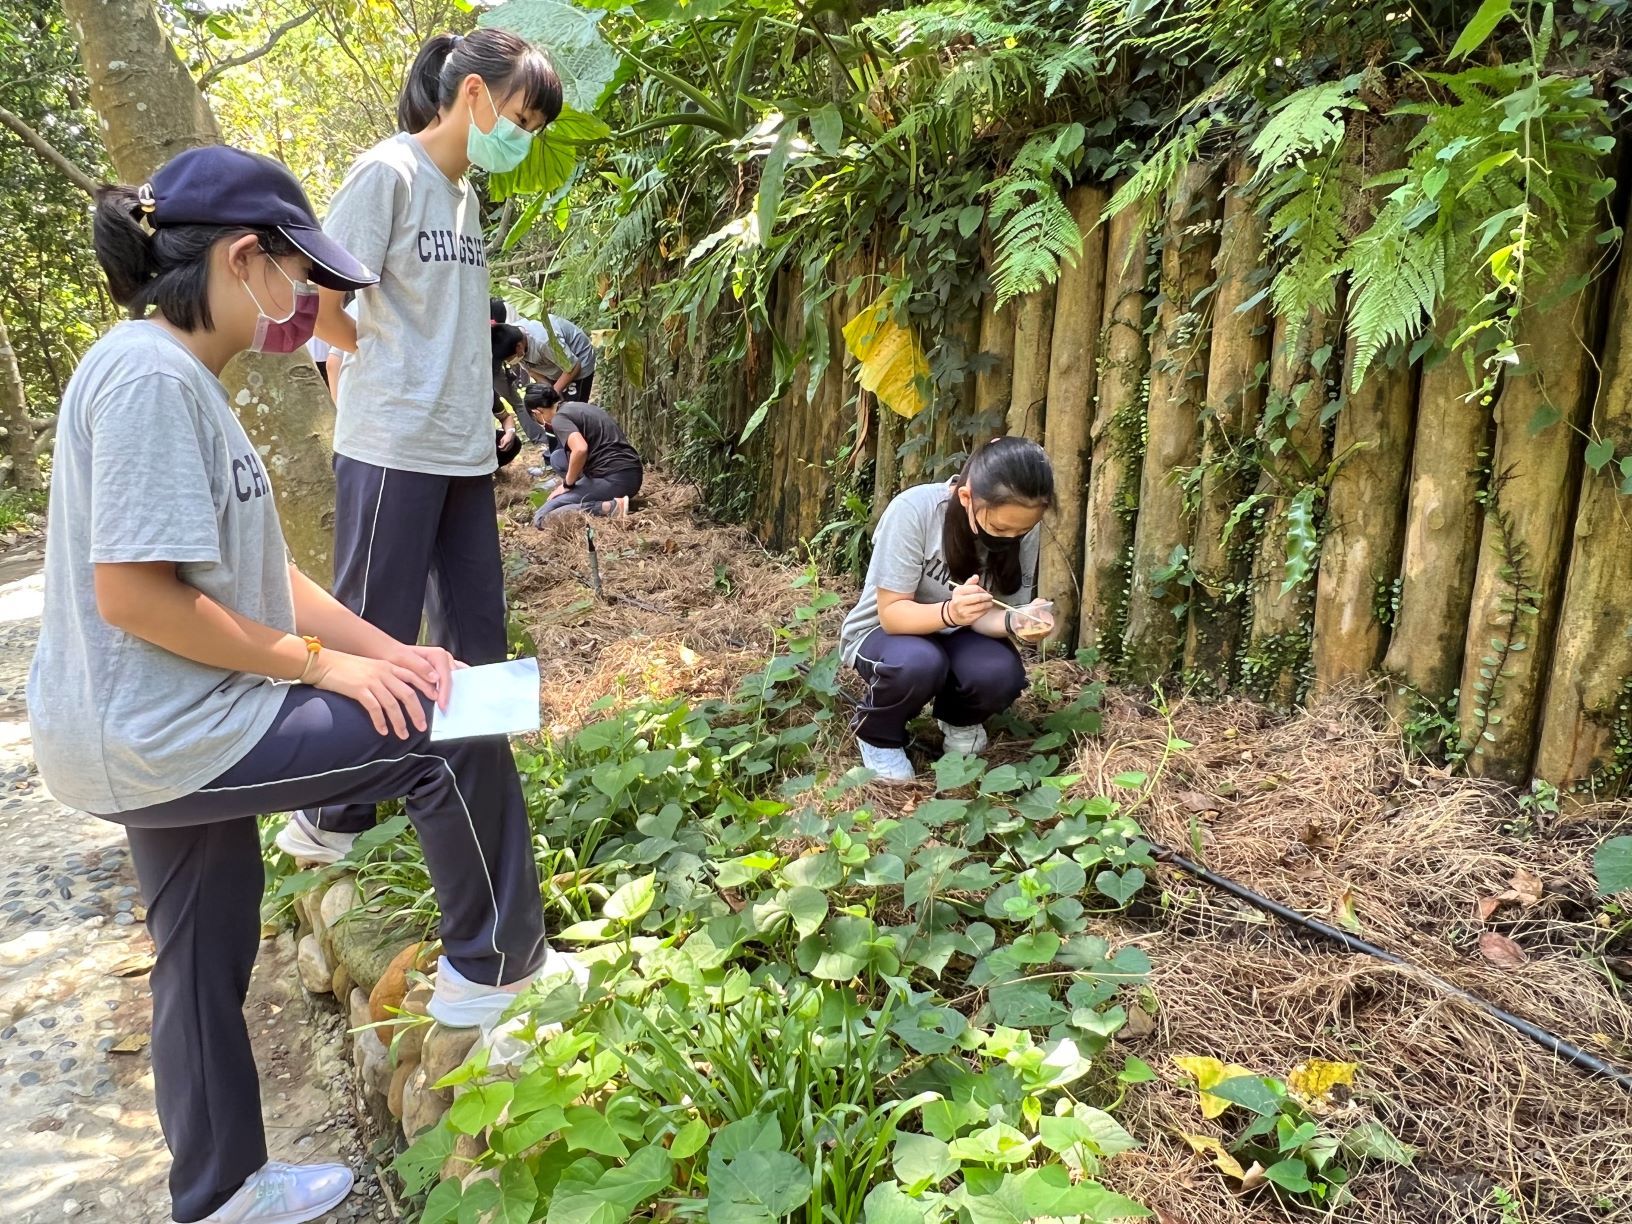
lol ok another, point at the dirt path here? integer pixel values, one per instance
(78, 1136)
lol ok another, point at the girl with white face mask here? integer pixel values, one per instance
(416, 531)
(189, 678)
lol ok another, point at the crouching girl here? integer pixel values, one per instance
(927, 628)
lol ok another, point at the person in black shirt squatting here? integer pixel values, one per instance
(189, 678)
(599, 470)
(416, 529)
(926, 628)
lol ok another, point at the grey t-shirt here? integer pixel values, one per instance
(416, 395)
(570, 340)
(907, 558)
(151, 465)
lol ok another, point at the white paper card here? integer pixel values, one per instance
(495, 699)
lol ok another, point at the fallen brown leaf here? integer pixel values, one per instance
(131, 966)
(1253, 1178)
(1200, 801)
(1139, 1024)
(1500, 950)
(1486, 906)
(1526, 887)
(1314, 836)
(131, 1043)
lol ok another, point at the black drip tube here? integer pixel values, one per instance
(1548, 1041)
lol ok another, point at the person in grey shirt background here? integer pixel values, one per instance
(556, 351)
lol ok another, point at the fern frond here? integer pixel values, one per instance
(1395, 278)
(1309, 121)
(1150, 183)
(1032, 244)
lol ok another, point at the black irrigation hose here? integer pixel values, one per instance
(1548, 1041)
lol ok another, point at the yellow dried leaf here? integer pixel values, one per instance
(892, 363)
(1202, 1145)
(1314, 1080)
(131, 1043)
(1209, 1073)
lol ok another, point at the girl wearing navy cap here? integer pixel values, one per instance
(189, 678)
(416, 528)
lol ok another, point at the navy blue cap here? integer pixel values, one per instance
(220, 185)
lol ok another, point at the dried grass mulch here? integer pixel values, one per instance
(1324, 812)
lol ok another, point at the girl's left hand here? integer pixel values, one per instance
(432, 664)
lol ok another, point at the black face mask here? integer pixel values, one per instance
(992, 543)
(996, 543)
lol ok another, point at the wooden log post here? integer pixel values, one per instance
(1519, 585)
(1586, 725)
(956, 404)
(1116, 438)
(1443, 519)
(1291, 446)
(1365, 504)
(1073, 369)
(1033, 336)
(1154, 640)
(1237, 373)
(994, 378)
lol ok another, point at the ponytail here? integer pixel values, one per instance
(508, 63)
(124, 246)
(1007, 471)
(168, 267)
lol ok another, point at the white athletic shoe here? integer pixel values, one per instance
(285, 1194)
(620, 507)
(301, 839)
(889, 764)
(458, 1002)
(970, 741)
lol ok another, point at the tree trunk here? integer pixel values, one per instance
(1237, 369)
(1291, 447)
(1585, 726)
(151, 110)
(1443, 519)
(1519, 584)
(1360, 555)
(1033, 334)
(1117, 439)
(994, 380)
(1073, 369)
(787, 419)
(1154, 640)
(149, 106)
(23, 471)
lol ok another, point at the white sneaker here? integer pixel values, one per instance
(458, 1002)
(303, 840)
(970, 741)
(889, 764)
(280, 1193)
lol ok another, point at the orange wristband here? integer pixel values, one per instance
(312, 648)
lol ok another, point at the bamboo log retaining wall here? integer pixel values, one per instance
(1232, 512)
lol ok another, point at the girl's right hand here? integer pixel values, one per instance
(970, 601)
(389, 693)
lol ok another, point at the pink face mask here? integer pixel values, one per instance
(287, 334)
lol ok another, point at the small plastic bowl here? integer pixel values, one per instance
(1035, 622)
